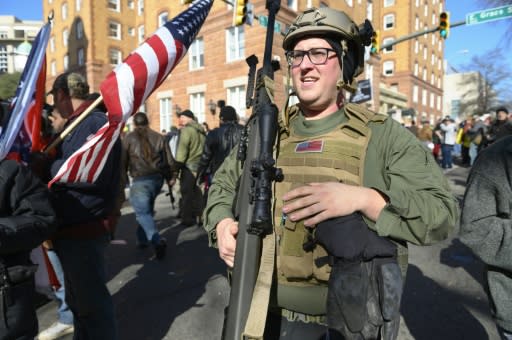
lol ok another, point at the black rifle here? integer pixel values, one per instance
(253, 206)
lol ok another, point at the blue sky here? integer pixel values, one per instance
(469, 40)
(463, 43)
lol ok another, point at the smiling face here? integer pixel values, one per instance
(315, 85)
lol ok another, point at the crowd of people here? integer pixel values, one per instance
(357, 188)
(465, 139)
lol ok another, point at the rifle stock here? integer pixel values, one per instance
(253, 206)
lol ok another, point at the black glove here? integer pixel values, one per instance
(348, 238)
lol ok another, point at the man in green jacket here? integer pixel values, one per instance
(188, 155)
(356, 183)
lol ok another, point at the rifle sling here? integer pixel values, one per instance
(255, 325)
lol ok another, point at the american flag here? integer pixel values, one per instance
(26, 106)
(130, 84)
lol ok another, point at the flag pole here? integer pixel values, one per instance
(73, 125)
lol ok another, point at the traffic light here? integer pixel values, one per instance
(444, 24)
(239, 12)
(374, 49)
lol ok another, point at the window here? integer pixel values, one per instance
(349, 3)
(66, 62)
(131, 4)
(235, 43)
(236, 98)
(78, 5)
(389, 21)
(131, 31)
(416, 47)
(388, 68)
(390, 48)
(64, 11)
(415, 93)
(140, 7)
(163, 18)
(65, 37)
(425, 10)
(3, 58)
(52, 44)
(140, 35)
(81, 57)
(114, 30)
(439, 103)
(416, 69)
(196, 54)
(197, 105)
(292, 4)
(417, 3)
(114, 5)
(417, 23)
(165, 113)
(424, 74)
(425, 50)
(388, 3)
(79, 30)
(4, 35)
(116, 57)
(424, 97)
(432, 100)
(53, 68)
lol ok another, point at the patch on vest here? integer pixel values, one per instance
(310, 146)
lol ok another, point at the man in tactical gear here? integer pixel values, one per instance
(188, 154)
(357, 187)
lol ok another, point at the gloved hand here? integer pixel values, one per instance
(349, 239)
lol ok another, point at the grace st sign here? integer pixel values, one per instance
(487, 15)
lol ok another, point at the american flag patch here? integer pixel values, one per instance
(310, 146)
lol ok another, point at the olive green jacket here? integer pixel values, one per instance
(421, 208)
(190, 145)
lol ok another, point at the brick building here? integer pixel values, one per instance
(414, 67)
(91, 37)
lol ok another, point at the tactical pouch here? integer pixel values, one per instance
(295, 262)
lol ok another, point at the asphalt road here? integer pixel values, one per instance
(183, 296)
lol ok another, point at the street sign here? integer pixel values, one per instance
(263, 20)
(491, 14)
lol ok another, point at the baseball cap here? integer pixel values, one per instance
(73, 83)
(186, 113)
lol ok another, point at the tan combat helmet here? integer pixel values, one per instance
(329, 23)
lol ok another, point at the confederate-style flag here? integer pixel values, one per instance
(128, 86)
(22, 131)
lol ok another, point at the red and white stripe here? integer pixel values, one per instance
(127, 87)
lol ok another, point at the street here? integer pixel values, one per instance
(183, 296)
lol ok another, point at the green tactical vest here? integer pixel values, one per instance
(337, 156)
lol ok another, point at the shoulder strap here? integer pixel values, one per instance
(360, 112)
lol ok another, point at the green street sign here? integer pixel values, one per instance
(490, 14)
(263, 20)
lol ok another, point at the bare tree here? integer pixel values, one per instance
(491, 77)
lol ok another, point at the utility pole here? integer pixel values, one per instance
(418, 34)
